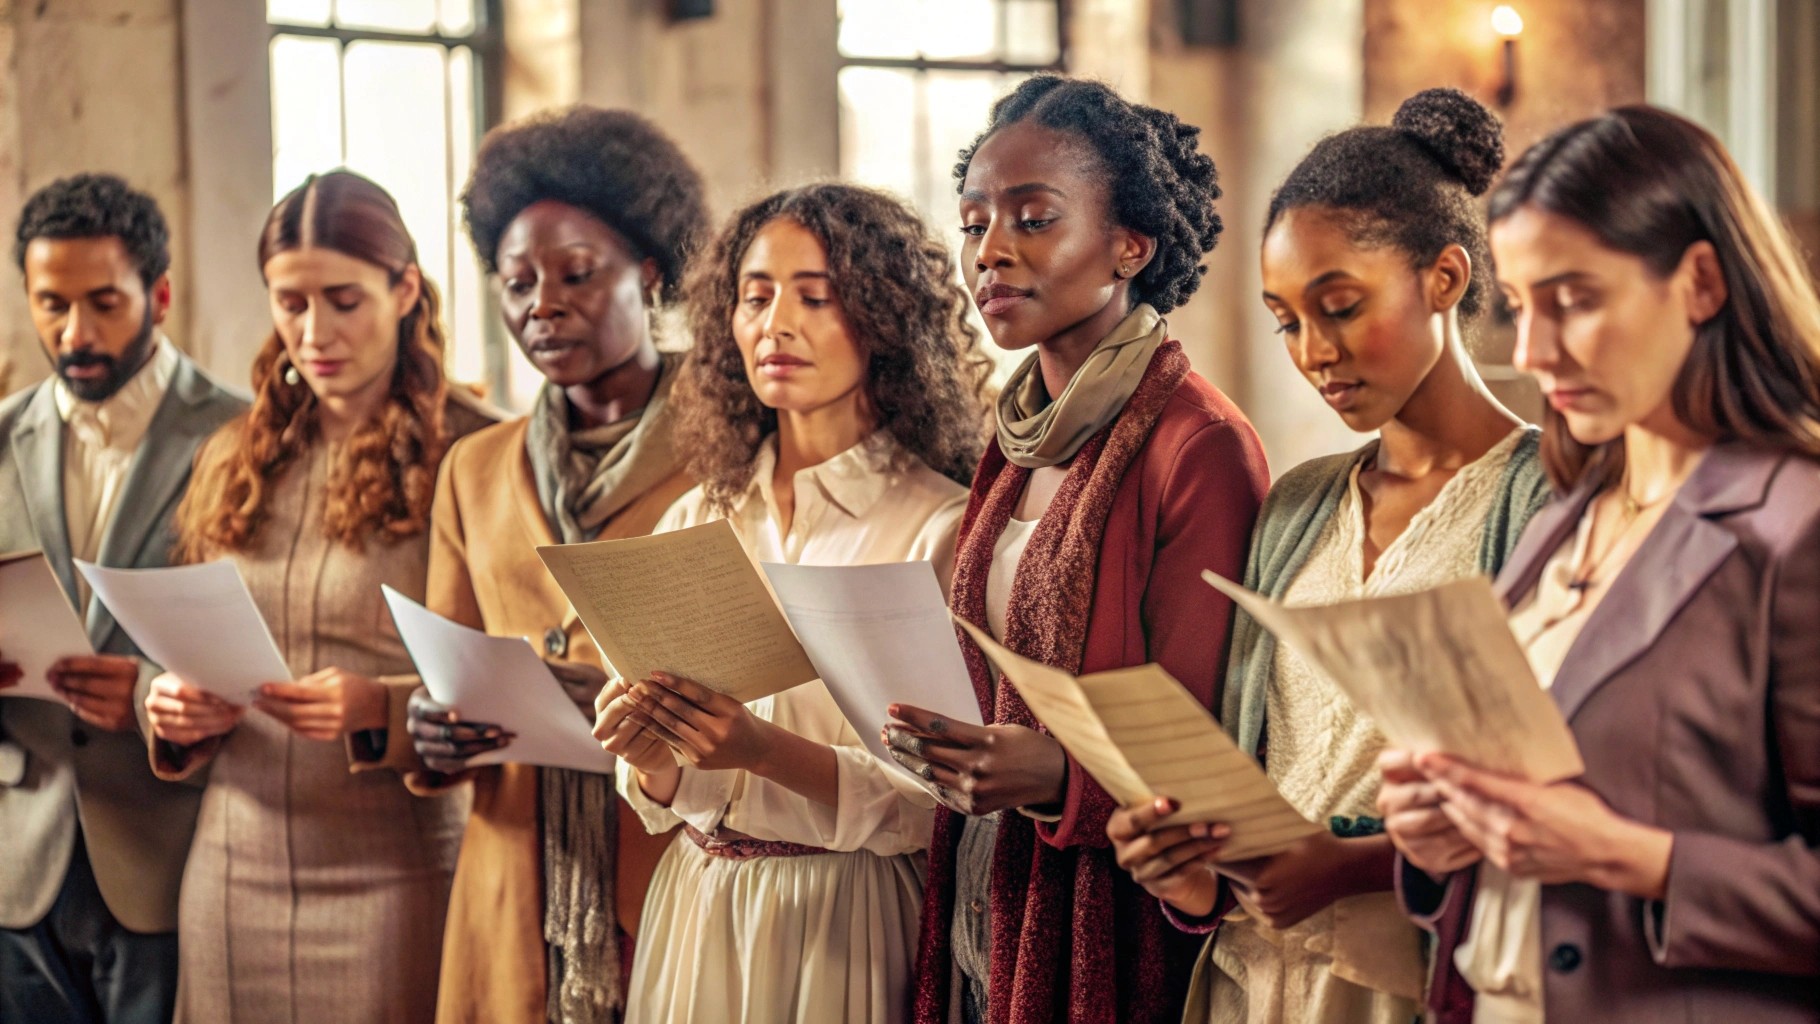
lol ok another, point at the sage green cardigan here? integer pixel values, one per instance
(1297, 510)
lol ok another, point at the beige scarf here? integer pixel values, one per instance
(583, 478)
(1034, 432)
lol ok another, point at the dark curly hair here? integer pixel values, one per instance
(926, 377)
(98, 206)
(1410, 185)
(612, 163)
(1161, 185)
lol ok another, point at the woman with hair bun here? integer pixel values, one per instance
(311, 889)
(1374, 263)
(1117, 476)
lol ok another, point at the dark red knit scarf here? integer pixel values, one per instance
(1050, 603)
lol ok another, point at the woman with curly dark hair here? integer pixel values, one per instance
(585, 218)
(834, 394)
(307, 881)
(1374, 262)
(1117, 477)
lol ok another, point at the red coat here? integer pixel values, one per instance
(1093, 947)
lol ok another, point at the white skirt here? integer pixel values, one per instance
(819, 939)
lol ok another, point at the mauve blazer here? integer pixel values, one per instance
(1694, 693)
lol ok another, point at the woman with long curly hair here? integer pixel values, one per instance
(309, 883)
(1117, 477)
(834, 397)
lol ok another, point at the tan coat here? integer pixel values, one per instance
(485, 573)
(308, 882)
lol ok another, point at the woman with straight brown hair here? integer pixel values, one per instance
(315, 890)
(1667, 602)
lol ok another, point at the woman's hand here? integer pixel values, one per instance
(978, 769)
(1289, 887)
(1410, 806)
(1171, 862)
(581, 681)
(185, 715)
(627, 733)
(326, 705)
(1556, 833)
(443, 740)
(710, 730)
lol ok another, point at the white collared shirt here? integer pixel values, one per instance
(865, 506)
(99, 442)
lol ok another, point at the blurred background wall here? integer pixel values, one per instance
(218, 107)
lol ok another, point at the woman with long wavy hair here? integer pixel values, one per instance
(832, 402)
(312, 883)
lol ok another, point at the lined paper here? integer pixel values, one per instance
(689, 603)
(1141, 735)
(1437, 670)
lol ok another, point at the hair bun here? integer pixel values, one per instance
(1458, 131)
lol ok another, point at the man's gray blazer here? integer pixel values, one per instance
(54, 768)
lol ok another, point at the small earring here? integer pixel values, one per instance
(1121, 273)
(292, 377)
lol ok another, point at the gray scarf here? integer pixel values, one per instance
(1034, 432)
(583, 479)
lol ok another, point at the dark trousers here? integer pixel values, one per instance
(79, 966)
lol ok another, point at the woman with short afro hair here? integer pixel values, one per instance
(1117, 476)
(585, 217)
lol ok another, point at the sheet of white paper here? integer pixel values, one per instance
(877, 634)
(1142, 735)
(197, 621)
(1436, 670)
(499, 680)
(38, 625)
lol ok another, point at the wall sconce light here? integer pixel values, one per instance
(1508, 24)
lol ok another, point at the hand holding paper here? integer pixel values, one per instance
(1141, 735)
(499, 680)
(38, 625)
(1437, 670)
(690, 603)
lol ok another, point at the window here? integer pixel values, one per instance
(917, 79)
(395, 90)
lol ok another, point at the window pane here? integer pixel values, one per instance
(875, 28)
(306, 110)
(298, 12)
(407, 156)
(877, 127)
(387, 15)
(956, 29)
(1031, 35)
(464, 310)
(459, 17)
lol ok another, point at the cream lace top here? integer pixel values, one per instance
(1322, 752)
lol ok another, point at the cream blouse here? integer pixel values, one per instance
(871, 504)
(1502, 955)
